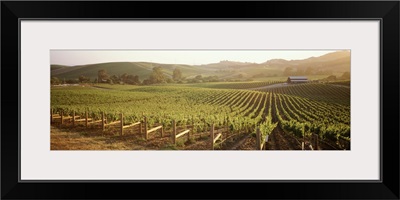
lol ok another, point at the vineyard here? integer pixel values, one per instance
(342, 83)
(224, 116)
(237, 85)
(316, 91)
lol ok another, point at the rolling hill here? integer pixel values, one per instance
(338, 62)
(142, 69)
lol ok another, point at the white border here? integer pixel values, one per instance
(39, 163)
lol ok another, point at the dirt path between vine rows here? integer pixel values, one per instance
(279, 140)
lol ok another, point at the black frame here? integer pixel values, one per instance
(386, 11)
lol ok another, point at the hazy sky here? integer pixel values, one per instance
(191, 57)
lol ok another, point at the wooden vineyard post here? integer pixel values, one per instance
(192, 129)
(266, 142)
(62, 115)
(51, 115)
(73, 118)
(103, 121)
(162, 131)
(174, 132)
(316, 142)
(201, 131)
(212, 136)
(226, 127)
(145, 128)
(304, 140)
(86, 118)
(140, 128)
(121, 116)
(258, 140)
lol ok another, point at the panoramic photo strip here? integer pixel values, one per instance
(200, 100)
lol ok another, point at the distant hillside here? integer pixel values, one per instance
(337, 62)
(142, 69)
(226, 64)
(57, 67)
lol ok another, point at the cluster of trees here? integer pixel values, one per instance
(84, 79)
(103, 77)
(124, 79)
(156, 77)
(201, 79)
(345, 76)
(57, 81)
(177, 75)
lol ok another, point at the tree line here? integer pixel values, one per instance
(156, 77)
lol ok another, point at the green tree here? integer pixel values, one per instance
(84, 79)
(177, 74)
(157, 76)
(115, 79)
(131, 79)
(146, 82)
(123, 77)
(55, 81)
(102, 76)
(72, 81)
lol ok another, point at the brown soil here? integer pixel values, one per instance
(249, 143)
(66, 137)
(280, 140)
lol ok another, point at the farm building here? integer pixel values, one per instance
(297, 79)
